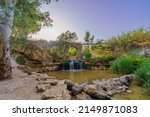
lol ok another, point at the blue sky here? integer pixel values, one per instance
(103, 18)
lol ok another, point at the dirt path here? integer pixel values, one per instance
(21, 86)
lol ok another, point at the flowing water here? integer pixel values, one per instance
(79, 76)
(73, 65)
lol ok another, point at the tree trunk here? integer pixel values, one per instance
(5, 63)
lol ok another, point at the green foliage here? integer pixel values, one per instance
(28, 18)
(87, 54)
(124, 65)
(128, 41)
(73, 51)
(133, 53)
(56, 52)
(107, 58)
(68, 37)
(143, 73)
(21, 60)
(88, 38)
(17, 43)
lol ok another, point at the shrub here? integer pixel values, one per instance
(133, 53)
(21, 60)
(106, 58)
(55, 52)
(86, 54)
(143, 73)
(124, 65)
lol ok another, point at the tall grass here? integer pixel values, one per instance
(143, 73)
(124, 65)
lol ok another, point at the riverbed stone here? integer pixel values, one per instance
(69, 84)
(106, 88)
(52, 82)
(129, 91)
(43, 87)
(57, 92)
(83, 96)
(77, 89)
(97, 94)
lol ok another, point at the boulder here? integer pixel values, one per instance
(82, 96)
(69, 84)
(97, 94)
(52, 82)
(57, 92)
(76, 89)
(43, 87)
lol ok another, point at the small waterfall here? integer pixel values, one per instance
(73, 65)
(81, 65)
(63, 66)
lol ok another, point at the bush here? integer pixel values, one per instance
(107, 58)
(133, 53)
(21, 60)
(124, 65)
(143, 73)
(86, 54)
(55, 52)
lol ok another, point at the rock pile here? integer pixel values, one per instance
(100, 89)
(51, 88)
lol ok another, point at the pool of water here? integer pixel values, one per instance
(138, 93)
(82, 75)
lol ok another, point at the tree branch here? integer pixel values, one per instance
(14, 2)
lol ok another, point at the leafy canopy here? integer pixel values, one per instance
(28, 17)
(68, 37)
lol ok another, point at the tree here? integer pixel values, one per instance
(68, 36)
(7, 10)
(88, 38)
(92, 39)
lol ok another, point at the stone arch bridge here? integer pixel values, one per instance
(80, 47)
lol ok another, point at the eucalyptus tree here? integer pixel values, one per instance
(10, 25)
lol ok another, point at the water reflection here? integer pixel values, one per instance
(82, 75)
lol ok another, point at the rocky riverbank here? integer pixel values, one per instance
(36, 86)
(51, 88)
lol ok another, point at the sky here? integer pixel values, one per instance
(103, 18)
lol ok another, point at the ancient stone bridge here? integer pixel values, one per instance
(78, 46)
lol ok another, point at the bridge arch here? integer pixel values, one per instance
(78, 47)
